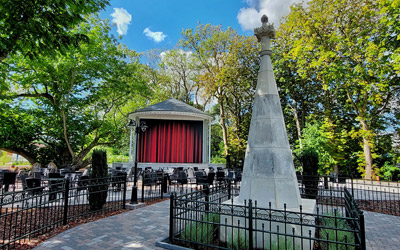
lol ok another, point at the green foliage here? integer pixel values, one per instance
(98, 185)
(34, 28)
(59, 108)
(228, 66)
(390, 172)
(341, 72)
(238, 241)
(337, 234)
(202, 232)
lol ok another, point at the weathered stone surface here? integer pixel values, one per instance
(269, 174)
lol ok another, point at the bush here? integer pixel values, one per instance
(390, 172)
(309, 160)
(98, 184)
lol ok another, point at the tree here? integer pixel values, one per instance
(76, 100)
(340, 43)
(229, 71)
(40, 27)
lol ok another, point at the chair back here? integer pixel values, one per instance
(220, 175)
(54, 175)
(83, 182)
(210, 178)
(190, 173)
(23, 180)
(33, 182)
(199, 174)
(9, 178)
(182, 177)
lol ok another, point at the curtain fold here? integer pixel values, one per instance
(171, 141)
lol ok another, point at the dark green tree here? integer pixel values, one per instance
(39, 27)
(98, 184)
(76, 101)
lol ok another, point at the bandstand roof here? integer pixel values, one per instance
(170, 109)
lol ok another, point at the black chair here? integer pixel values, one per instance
(117, 180)
(238, 176)
(182, 178)
(149, 179)
(9, 179)
(55, 186)
(55, 175)
(205, 180)
(23, 178)
(221, 176)
(230, 177)
(33, 185)
(82, 185)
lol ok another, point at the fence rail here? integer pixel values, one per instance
(208, 220)
(32, 212)
(377, 196)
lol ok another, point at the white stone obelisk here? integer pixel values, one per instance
(268, 173)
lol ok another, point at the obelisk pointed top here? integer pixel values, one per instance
(265, 29)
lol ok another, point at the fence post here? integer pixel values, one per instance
(207, 198)
(362, 231)
(143, 177)
(352, 187)
(229, 190)
(250, 224)
(66, 197)
(162, 185)
(124, 198)
(171, 218)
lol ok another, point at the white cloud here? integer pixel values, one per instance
(250, 18)
(122, 18)
(156, 36)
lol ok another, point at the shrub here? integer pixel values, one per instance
(309, 160)
(98, 184)
(202, 232)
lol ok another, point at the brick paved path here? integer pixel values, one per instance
(136, 229)
(142, 228)
(382, 231)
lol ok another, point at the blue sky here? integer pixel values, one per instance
(149, 24)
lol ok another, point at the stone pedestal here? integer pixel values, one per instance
(267, 225)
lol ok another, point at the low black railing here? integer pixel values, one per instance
(376, 196)
(33, 212)
(208, 220)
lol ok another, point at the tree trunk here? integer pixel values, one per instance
(298, 127)
(367, 150)
(223, 127)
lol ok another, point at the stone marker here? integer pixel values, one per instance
(268, 173)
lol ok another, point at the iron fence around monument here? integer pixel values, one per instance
(371, 195)
(209, 219)
(35, 211)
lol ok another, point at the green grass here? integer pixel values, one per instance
(202, 232)
(335, 234)
(240, 243)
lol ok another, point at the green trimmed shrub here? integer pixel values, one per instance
(98, 184)
(309, 160)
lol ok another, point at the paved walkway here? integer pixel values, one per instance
(142, 228)
(136, 229)
(382, 231)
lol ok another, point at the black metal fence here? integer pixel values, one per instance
(35, 211)
(377, 196)
(208, 220)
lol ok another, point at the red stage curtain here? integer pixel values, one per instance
(171, 142)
